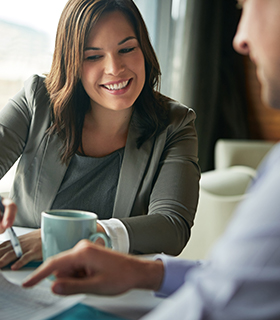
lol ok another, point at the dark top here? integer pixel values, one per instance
(90, 184)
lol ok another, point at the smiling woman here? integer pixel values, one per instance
(97, 135)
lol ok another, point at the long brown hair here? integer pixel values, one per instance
(68, 98)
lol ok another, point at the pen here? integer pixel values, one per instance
(12, 234)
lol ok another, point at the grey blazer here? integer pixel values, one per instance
(158, 186)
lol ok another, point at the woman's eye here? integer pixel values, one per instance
(95, 57)
(126, 50)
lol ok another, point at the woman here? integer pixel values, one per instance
(96, 135)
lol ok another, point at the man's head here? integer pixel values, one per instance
(258, 35)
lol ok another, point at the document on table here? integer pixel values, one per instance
(37, 303)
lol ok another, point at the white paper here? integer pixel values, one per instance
(37, 303)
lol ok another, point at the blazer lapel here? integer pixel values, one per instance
(51, 175)
(133, 167)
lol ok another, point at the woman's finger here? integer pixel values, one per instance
(9, 214)
(23, 260)
(8, 257)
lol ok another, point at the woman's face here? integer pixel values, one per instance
(113, 71)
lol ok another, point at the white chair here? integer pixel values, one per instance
(220, 193)
(248, 153)
(221, 190)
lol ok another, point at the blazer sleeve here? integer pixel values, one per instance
(172, 202)
(14, 126)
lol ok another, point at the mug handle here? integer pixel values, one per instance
(107, 240)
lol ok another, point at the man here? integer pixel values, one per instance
(241, 280)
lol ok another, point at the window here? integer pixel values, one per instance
(27, 34)
(166, 23)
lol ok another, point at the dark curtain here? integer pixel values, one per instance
(215, 80)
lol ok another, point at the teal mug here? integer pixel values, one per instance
(63, 229)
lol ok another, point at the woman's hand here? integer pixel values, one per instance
(89, 268)
(31, 247)
(100, 229)
(7, 220)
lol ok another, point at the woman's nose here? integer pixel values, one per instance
(114, 65)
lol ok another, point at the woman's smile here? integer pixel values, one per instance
(118, 87)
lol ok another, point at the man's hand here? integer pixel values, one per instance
(89, 268)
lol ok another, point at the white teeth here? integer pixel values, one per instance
(117, 86)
